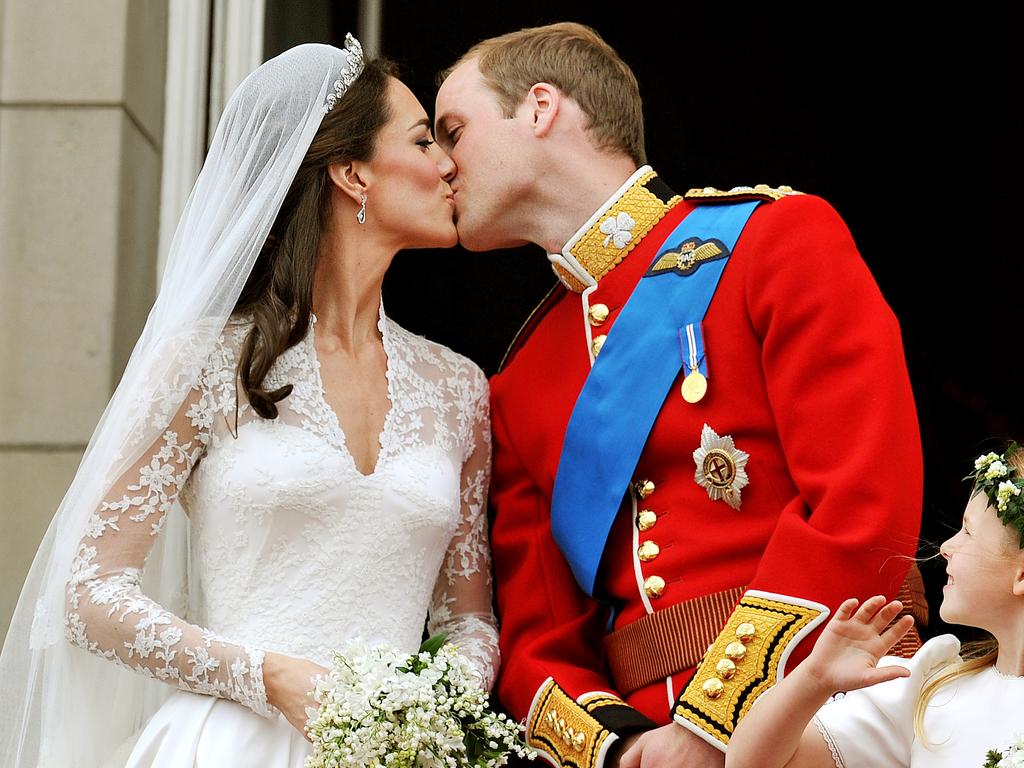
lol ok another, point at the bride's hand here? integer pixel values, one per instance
(289, 683)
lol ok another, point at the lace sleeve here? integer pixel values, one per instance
(106, 610)
(461, 605)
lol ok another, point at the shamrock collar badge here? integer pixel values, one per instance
(618, 230)
(721, 467)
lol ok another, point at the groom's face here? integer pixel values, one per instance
(491, 155)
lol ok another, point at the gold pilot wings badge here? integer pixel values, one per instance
(685, 258)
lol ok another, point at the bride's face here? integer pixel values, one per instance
(407, 191)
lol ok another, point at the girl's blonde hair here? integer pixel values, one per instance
(974, 656)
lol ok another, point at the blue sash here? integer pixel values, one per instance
(627, 386)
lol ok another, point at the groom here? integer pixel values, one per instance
(704, 438)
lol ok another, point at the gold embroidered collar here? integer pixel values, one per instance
(614, 230)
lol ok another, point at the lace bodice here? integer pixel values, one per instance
(293, 549)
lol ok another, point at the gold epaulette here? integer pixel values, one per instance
(748, 657)
(564, 731)
(759, 192)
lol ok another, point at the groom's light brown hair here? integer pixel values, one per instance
(581, 64)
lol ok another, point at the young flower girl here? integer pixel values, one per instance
(937, 709)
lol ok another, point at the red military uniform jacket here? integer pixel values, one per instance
(806, 375)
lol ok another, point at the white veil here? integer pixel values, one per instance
(59, 705)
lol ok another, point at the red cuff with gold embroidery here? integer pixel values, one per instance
(748, 657)
(578, 734)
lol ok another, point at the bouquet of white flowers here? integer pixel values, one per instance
(1011, 757)
(381, 707)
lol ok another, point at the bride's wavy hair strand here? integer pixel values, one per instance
(278, 295)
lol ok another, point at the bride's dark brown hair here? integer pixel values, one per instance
(278, 294)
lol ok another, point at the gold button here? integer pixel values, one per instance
(745, 632)
(736, 651)
(646, 519)
(598, 314)
(597, 344)
(713, 687)
(648, 551)
(654, 586)
(644, 488)
(725, 669)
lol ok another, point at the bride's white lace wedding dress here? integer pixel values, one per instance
(292, 549)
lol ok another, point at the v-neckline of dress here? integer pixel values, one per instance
(334, 424)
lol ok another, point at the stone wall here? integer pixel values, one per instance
(81, 124)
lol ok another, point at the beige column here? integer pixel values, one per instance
(81, 124)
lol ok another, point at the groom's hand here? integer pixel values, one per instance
(670, 745)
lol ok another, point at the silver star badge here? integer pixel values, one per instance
(721, 467)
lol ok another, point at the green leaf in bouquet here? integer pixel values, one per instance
(474, 748)
(434, 644)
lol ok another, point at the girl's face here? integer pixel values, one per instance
(985, 568)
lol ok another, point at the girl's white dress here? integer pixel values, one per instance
(965, 718)
(292, 549)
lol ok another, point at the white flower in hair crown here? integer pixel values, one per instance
(353, 52)
(994, 477)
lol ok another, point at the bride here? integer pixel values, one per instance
(281, 463)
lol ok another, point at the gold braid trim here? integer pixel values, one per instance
(736, 194)
(564, 731)
(594, 701)
(568, 280)
(643, 206)
(743, 663)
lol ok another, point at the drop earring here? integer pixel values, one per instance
(361, 215)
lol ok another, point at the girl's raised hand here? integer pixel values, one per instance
(846, 655)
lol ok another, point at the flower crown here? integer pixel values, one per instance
(1002, 484)
(353, 67)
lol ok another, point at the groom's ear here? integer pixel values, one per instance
(347, 178)
(542, 102)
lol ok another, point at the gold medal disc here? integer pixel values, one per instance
(694, 387)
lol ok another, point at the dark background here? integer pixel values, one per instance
(896, 114)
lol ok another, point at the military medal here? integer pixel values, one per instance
(721, 467)
(695, 385)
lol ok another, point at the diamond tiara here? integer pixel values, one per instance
(349, 72)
